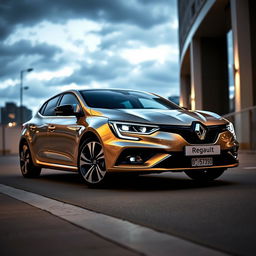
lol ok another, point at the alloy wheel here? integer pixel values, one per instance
(24, 159)
(92, 162)
(27, 167)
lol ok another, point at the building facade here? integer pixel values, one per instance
(217, 41)
(11, 114)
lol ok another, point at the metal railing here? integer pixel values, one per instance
(245, 125)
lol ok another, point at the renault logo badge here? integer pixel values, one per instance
(200, 131)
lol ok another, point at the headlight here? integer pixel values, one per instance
(121, 129)
(230, 127)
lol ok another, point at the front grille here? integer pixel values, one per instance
(188, 132)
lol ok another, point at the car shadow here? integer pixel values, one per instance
(149, 182)
(158, 182)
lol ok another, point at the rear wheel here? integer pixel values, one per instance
(205, 174)
(28, 169)
(92, 162)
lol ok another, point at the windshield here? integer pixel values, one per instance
(121, 99)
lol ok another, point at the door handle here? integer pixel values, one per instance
(75, 127)
(51, 128)
(32, 127)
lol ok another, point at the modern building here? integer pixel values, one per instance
(175, 99)
(217, 41)
(10, 114)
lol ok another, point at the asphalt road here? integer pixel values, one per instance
(219, 215)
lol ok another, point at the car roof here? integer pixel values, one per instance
(78, 91)
(111, 89)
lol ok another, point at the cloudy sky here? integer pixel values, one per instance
(87, 44)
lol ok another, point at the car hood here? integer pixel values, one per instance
(160, 117)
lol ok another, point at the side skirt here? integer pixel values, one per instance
(57, 166)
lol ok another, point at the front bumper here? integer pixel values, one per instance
(163, 151)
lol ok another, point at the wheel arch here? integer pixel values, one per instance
(89, 135)
(22, 142)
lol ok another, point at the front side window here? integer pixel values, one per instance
(69, 99)
(49, 110)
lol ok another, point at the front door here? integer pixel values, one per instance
(64, 133)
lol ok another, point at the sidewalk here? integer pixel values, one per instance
(247, 157)
(26, 230)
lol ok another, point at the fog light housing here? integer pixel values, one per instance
(132, 156)
(134, 159)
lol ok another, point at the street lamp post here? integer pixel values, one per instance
(21, 92)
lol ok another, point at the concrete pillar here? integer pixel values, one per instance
(209, 74)
(196, 74)
(252, 11)
(242, 68)
(185, 82)
(214, 70)
(242, 54)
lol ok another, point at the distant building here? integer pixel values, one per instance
(10, 114)
(175, 99)
(217, 41)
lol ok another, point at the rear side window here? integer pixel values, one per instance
(49, 110)
(41, 111)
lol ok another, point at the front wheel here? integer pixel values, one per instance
(27, 167)
(205, 174)
(92, 162)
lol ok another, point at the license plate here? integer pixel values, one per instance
(202, 150)
(200, 161)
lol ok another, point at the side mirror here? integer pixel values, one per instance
(68, 110)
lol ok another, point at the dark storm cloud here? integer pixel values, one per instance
(154, 77)
(100, 71)
(13, 56)
(30, 12)
(118, 73)
(12, 93)
(112, 36)
(25, 47)
(125, 24)
(144, 83)
(166, 72)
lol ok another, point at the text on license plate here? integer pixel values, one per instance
(202, 150)
(202, 161)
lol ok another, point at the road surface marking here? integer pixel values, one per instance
(139, 238)
(250, 168)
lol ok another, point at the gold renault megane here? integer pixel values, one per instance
(97, 132)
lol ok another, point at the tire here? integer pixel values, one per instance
(91, 162)
(27, 167)
(205, 174)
